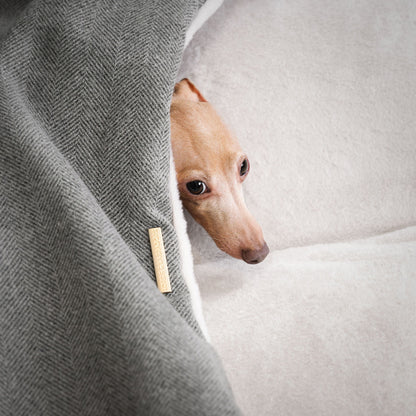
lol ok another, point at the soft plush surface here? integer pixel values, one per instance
(321, 330)
(322, 95)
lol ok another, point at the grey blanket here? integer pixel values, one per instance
(84, 160)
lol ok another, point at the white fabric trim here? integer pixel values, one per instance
(185, 250)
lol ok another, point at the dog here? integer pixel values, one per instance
(210, 170)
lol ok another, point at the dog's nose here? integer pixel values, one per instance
(255, 256)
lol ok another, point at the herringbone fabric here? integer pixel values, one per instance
(84, 160)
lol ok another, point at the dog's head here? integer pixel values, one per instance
(211, 168)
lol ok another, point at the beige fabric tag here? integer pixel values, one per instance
(159, 260)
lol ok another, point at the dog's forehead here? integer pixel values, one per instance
(201, 117)
(202, 141)
(214, 133)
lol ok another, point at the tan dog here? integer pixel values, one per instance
(210, 170)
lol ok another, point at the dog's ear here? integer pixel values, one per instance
(186, 90)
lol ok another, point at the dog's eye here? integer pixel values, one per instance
(244, 167)
(196, 187)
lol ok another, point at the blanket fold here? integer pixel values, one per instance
(84, 128)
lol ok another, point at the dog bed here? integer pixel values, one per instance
(321, 95)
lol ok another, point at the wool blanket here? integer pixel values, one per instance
(84, 162)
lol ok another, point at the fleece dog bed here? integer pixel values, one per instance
(322, 96)
(84, 127)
